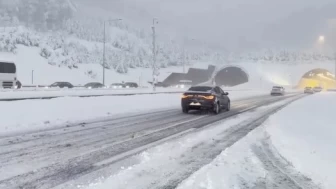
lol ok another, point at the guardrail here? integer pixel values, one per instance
(86, 96)
(39, 95)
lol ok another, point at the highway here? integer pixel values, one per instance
(51, 158)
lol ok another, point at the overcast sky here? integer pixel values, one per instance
(230, 24)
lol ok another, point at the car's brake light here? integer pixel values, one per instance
(209, 97)
(186, 96)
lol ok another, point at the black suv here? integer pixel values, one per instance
(94, 85)
(205, 97)
(131, 85)
(62, 85)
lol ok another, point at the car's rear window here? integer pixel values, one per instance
(200, 88)
(55, 84)
(90, 84)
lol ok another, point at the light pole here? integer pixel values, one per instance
(104, 45)
(154, 66)
(335, 70)
(32, 77)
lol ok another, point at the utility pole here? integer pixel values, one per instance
(104, 49)
(154, 66)
(104, 46)
(335, 70)
(32, 77)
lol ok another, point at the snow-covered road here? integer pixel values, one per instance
(52, 157)
(27, 115)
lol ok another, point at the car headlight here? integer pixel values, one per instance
(89, 87)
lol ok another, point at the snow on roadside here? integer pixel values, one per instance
(12, 94)
(235, 167)
(20, 116)
(305, 134)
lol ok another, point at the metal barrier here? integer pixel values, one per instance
(83, 96)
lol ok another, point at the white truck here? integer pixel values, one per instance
(8, 76)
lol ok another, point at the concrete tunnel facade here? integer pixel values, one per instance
(317, 77)
(231, 76)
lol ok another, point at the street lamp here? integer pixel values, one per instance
(32, 77)
(321, 39)
(104, 45)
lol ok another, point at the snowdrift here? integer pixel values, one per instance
(304, 133)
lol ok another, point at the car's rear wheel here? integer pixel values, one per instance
(228, 106)
(216, 108)
(185, 110)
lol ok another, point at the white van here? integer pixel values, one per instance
(7, 74)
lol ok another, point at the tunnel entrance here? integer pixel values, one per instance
(317, 77)
(231, 76)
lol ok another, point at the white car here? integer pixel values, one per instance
(317, 89)
(308, 90)
(184, 84)
(278, 90)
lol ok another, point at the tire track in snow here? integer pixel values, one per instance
(280, 173)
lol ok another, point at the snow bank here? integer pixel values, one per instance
(236, 167)
(19, 94)
(305, 134)
(20, 116)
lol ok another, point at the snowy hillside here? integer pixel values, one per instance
(66, 37)
(60, 41)
(29, 59)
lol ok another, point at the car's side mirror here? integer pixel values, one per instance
(226, 93)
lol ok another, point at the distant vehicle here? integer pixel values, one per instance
(131, 85)
(7, 75)
(184, 84)
(278, 90)
(317, 89)
(61, 85)
(308, 90)
(160, 84)
(205, 97)
(117, 85)
(94, 85)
